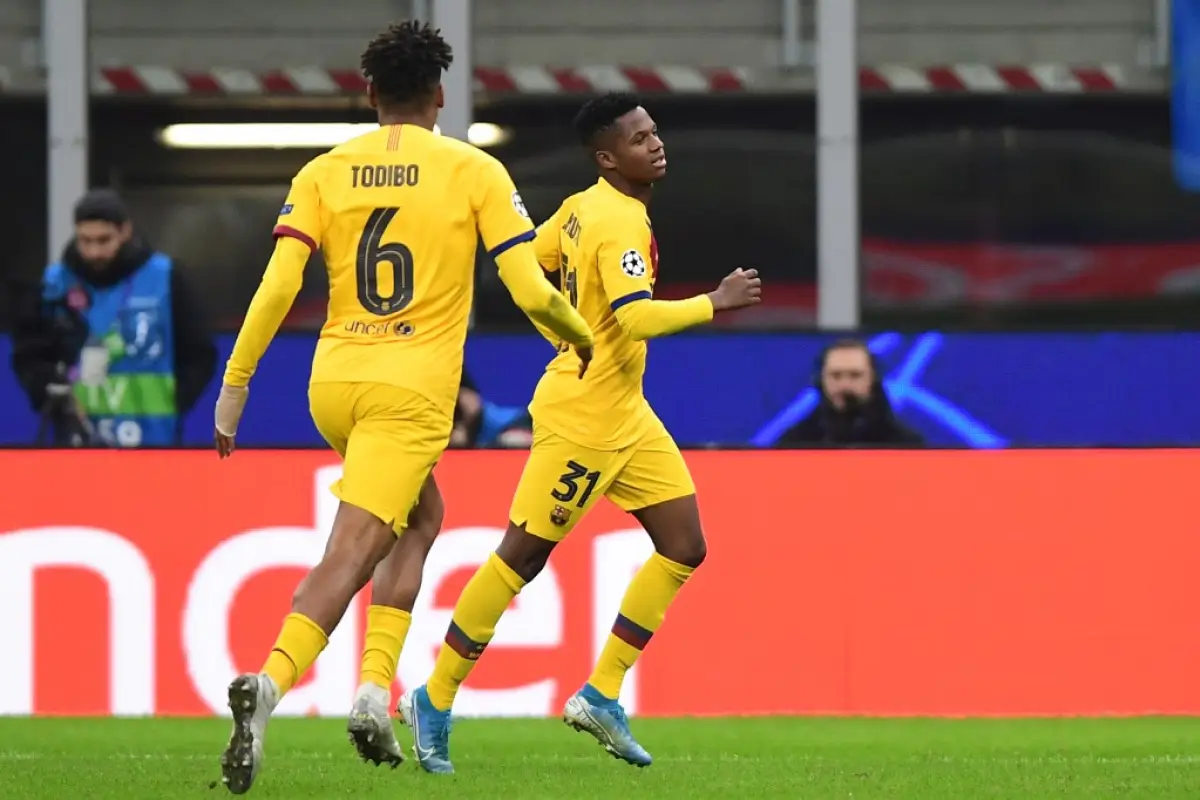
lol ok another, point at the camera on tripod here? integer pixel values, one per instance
(61, 424)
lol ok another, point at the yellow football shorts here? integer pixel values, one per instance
(389, 439)
(563, 480)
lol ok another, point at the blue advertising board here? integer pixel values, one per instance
(959, 390)
(1185, 92)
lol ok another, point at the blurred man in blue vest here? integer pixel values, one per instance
(113, 352)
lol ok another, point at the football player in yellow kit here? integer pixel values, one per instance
(397, 213)
(593, 438)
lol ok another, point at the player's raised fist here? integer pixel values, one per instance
(741, 288)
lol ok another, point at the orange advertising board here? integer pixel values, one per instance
(932, 583)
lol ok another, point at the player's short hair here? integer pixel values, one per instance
(406, 61)
(600, 114)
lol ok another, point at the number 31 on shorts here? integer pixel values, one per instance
(569, 485)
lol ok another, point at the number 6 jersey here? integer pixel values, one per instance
(397, 213)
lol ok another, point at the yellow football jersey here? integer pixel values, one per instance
(397, 213)
(602, 245)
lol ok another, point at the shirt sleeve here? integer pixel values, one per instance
(623, 258)
(538, 298)
(300, 217)
(545, 243)
(280, 283)
(500, 213)
(628, 277)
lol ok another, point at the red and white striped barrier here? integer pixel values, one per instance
(540, 80)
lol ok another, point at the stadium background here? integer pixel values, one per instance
(1016, 173)
(1024, 228)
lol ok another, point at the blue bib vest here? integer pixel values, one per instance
(135, 406)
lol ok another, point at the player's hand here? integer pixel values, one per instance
(585, 358)
(741, 288)
(230, 404)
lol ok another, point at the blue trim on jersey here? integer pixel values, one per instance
(503, 247)
(632, 297)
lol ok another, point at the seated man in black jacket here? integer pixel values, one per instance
(111, 347)
(854, 409)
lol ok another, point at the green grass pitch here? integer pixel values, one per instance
(802, 758)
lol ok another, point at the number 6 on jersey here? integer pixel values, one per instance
(372, 255)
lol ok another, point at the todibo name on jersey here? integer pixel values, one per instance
(390, 176)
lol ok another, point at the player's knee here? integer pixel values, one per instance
(688, 550)
(524, 553)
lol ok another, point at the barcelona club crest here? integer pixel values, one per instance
(560, 516)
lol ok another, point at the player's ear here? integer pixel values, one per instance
(605, 160)
(441, 96)
(372, 96)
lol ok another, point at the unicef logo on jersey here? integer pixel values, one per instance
(378, 330)
(519, 205)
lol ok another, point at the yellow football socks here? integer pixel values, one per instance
(300, 642)
(645, 604)
(386, 630)
(479, 608)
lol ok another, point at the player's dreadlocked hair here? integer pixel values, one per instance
(601, 114)
(406, 61)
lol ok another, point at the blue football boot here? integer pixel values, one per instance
(590, 711)
(431, 731)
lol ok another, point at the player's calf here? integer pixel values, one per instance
(358, 542)
(397, 579)
(493, 586)
(395, 585)
(674, 527)
(518, 559)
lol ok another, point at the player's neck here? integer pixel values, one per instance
(638, 191)
(406, 118)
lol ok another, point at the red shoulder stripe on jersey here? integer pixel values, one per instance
(288, 230)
